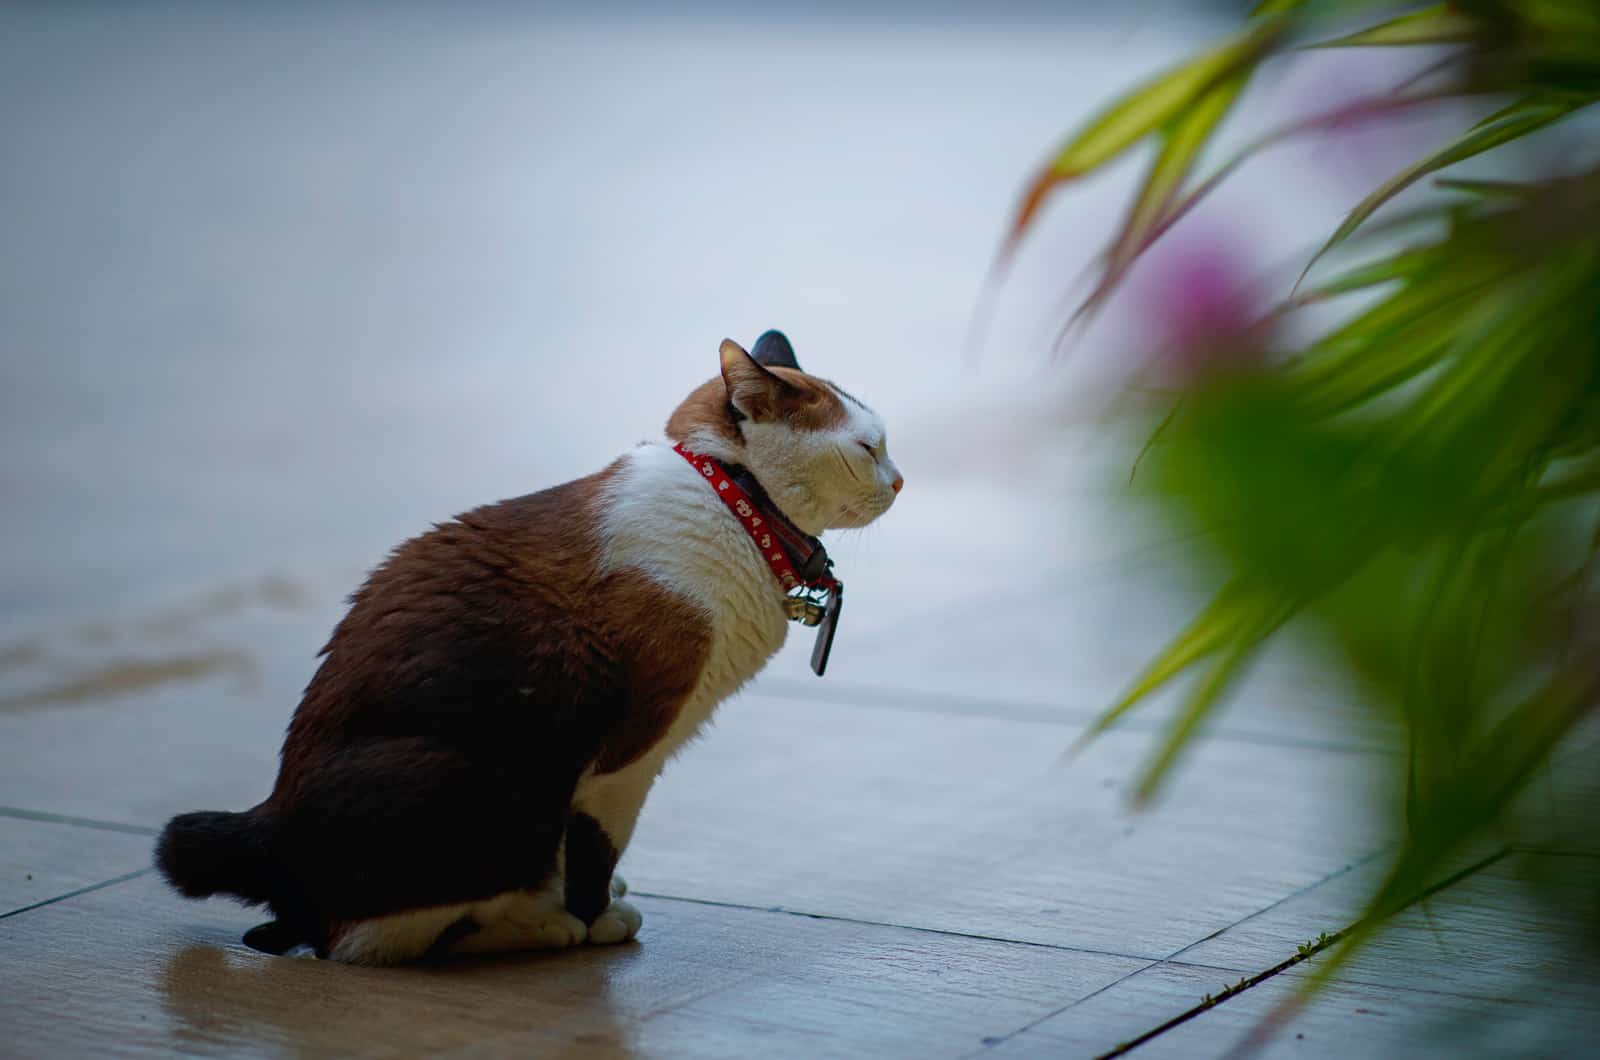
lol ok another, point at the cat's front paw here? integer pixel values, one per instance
(619, 923)
(619, 886)
(555, 929)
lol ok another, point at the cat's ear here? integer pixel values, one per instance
(753, 390)
(773, 350)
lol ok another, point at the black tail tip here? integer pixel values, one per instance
(192, 852)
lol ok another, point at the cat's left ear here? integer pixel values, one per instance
(753, 390)
(772, 349)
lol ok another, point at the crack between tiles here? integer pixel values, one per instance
(1291, 896)
(1249, 981)
(1305, 953)
(19, 814)
(102, 885)
(999, 1039)
(887, 924)
(1374, 984)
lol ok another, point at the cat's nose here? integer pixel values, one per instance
(899, 480)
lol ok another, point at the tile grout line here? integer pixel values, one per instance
(900, 927)
(1256, 980)
(1156, 961)
(40, 816)
(1307, 889)
(102, 885)
(1000, 1039)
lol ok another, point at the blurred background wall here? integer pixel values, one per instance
(284, 282)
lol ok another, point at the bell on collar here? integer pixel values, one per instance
(804, 610)
(820, 608)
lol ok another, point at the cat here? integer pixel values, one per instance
(468, 762)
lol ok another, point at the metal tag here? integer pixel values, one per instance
(825, 630)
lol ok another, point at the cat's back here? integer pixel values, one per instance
(479, 607)
(496, 566)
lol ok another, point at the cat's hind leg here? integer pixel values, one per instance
(522, 920)
(449, 841)
(507, 923)
(398, 938)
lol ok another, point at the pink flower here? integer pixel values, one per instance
(1198, 302)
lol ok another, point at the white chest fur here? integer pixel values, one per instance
(662, 519)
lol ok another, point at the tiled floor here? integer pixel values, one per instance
(893, 861)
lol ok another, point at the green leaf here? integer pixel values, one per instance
(1180, 207)
(1439, 24)
(1402, 266)
(1147, 109)
(1223, 620)
(1158, 103)
(1395, 339)
(1331, 386)
(1434, 286)
(1514, 191)
(1181, 144)
(1268, 616)
(1511, 127)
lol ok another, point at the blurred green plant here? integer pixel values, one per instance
(1419, 487)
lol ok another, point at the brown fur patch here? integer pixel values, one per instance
(705, 410)
(479, 672)
(804, 402)
(667, 644)
(811, 404)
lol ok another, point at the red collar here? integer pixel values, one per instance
(797, 559)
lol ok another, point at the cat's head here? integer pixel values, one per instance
(820, 454)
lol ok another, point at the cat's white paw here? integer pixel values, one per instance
(553, 929)
(619, 923)
(619, 886)
(523, 920)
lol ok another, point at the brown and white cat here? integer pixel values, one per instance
(468, 762)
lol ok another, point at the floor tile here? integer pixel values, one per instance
(1346, 1020)
(974, 824)
(180, 707)
(42, 860)
(1481, 966)
(1505, 932)
(136, 967)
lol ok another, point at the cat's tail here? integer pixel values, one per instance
(208, 853)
